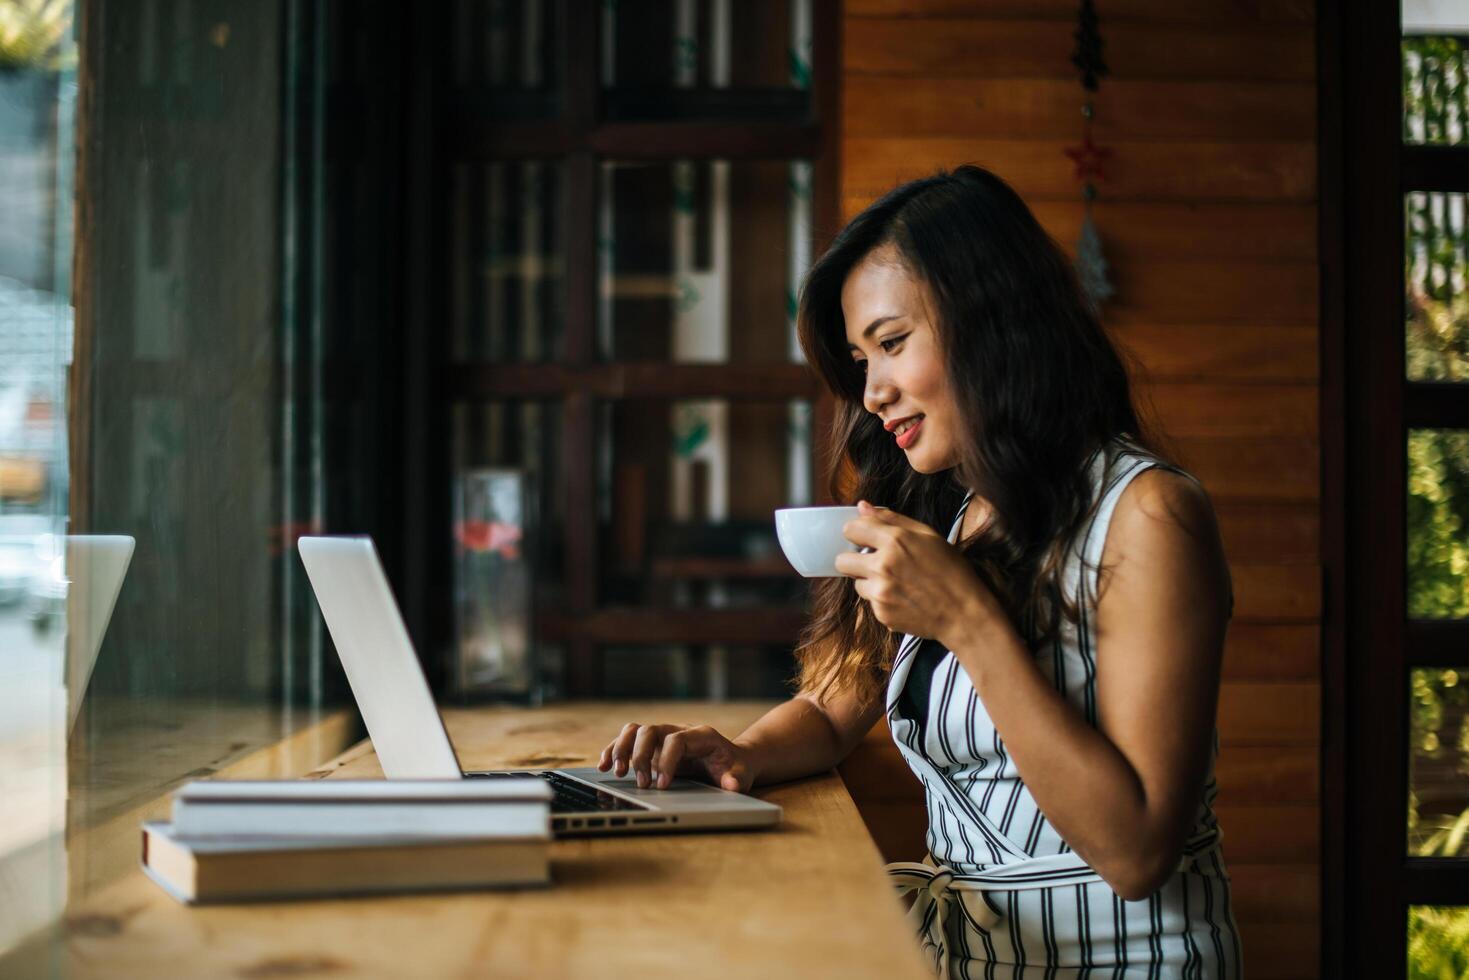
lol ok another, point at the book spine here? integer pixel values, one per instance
(352, 821)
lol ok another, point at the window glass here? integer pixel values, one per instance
(1434, 92)
(710, 59)
(504, 57)
(507, 277)
(1438, 941)
(688, 491)
(1436, 276)
(38, 101)
(701, 260)
(1438, 523)
(1438, 762)
(678, 671)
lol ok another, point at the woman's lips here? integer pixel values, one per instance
(905, 439)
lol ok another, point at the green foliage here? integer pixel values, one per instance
(35, 34)
(1438, 943)
(1433, 89)
(1438, 514)
(1436, 274)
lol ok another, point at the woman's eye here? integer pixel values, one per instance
(891, 340)
(861, 366)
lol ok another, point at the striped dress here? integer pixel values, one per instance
(1001, 894)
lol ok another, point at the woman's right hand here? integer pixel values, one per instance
(658, 753)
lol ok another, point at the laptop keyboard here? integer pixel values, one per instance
(569, 795)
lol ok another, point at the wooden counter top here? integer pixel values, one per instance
(808, 898)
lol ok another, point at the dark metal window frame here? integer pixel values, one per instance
(448, 128)
(1368, 406)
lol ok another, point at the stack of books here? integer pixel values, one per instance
(250, 840)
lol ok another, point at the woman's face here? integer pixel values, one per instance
(890, 335)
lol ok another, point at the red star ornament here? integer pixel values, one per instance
(1089, 158)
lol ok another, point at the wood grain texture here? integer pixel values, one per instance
(1038, 108)
(1276, 893)
(1175, 171)
(982, 47)
(1287, 532)
(1224, 353)
(807, 898)
(1279, 715)
(1140, 231)
(1269, 833)
(1200, 409)
(1214, 13)
(1272, 652)
(1254, 469)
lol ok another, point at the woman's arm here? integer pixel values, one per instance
(1123, 795)
(801, 737)
(806, 735)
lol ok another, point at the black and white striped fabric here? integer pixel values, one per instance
(1002, 894)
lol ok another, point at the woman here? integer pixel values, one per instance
(1050, 669)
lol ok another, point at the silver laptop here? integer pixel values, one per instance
(409, 735)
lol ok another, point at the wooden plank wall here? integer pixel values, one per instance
(1208, 215)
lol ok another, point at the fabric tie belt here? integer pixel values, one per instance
(939, 888)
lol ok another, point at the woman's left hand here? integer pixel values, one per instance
(914, 581)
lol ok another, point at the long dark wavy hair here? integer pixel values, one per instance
(1039, 382)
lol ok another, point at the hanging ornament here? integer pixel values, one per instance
(1090, 159)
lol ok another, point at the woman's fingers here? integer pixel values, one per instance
(675, 748)
(622, 748)
(645, 743)
(853, 564)
(866, 531)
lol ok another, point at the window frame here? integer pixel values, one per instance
(1369, 644)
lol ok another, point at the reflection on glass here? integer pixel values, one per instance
(692, 487)
(701, 260)
(507, 275)
(1438, 516)
(747, 59)
(1436, 276)
(692, 671)
(521, 437)
(38, 58)
(1434, 93)
(506, 45)
(1438, 942)
(1438, 762)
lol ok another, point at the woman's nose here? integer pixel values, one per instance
(877, 392)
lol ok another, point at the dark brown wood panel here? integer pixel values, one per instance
(1222, 352)
(1283, 951)
(1278, 531)
(1186, 291)
(1275, 893)
(1269, 774)
(1047, 108)
(1254, 469)
(1184, 171)
(1272, 652)
(1268, 833)
(1145, 231)
(976, 47)
(1189, 409)
(1272, 715)
(1201, 12)
(1276, 593)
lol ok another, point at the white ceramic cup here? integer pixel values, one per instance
(811, 538)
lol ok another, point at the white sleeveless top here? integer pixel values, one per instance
(987, 834)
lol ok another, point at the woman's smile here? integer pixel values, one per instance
(906, 431)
